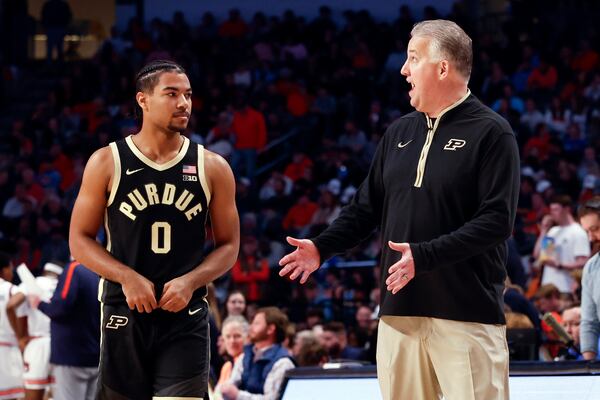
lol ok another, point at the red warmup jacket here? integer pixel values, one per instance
(250, 129)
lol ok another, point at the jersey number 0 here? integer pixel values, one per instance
(161, 229)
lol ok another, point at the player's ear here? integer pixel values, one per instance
(142, 100)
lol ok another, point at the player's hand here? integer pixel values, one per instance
(23, 343)
(34, 301)
(547, 223)
(139, 292)
(403, 270)
(303, 261)
(176, 294)
(229, 391)
(552, 262)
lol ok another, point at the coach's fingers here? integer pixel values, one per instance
(395, 266)
(288, 259)
(305, 276)
(287, 269)
(398, 280)
(401, 247)
(395, 286)
(400, 285)
(296, 273)
(294, 242)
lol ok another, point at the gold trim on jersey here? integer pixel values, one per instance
(108, 241)
(108, 248)
(100, 289)
(202, 174)
(152, 164)
(101, 326)
(116, 174)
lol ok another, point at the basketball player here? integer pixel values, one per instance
(443, 188)
(11, 366)
(36, 355)
(154, 191)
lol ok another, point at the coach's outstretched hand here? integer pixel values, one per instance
(301, 262)
(403, 271)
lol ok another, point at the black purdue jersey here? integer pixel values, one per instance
(155, 215)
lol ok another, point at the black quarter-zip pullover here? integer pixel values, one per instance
(449, 188)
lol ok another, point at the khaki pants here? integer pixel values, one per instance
(420, 358)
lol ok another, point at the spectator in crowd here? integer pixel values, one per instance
(259, 371)
(532, 115)
(56, 17)
(297, 168)
(548, 300)
(314, 317)
(234, 27)
(335, 340)
(251, 271)
(515, 299)
(74, 312)
(562, 244)
(312, 355)
(543, 78)
(300, 214)
(250, 131)
(16, 206)
(302, 339)
(353, 138)
(328, 208)
(235, 335)
(235, 304)
(571, 320)
(589, 216)
(220, 138)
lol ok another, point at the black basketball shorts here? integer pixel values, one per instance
(160, 354)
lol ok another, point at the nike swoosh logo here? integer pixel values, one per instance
(128, 172)
(195, 311)
(401, 145)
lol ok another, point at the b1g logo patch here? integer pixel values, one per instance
(190, 178)
(116, 321)
(454, 144)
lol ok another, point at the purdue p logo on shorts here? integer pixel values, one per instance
(116, 321)
(454, 144)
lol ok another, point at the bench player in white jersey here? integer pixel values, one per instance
(36, 357)
(11, 363)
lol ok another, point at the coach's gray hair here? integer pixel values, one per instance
(447, 41)
(236, 319)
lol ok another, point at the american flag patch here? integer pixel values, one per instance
(189, 169)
